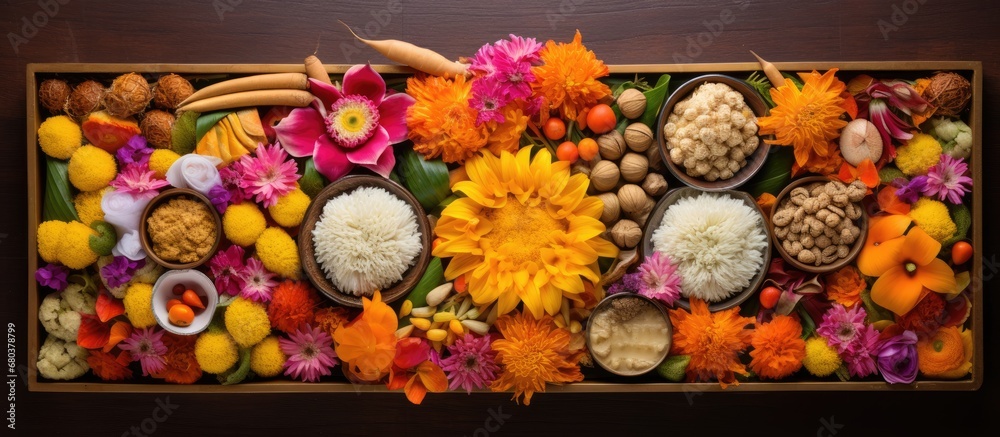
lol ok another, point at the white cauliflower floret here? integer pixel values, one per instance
(954, 135)
(60, 311)
(61, 360)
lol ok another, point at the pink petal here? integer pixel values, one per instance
(392, 116)
(298, 132)
(385, 163)
(369, 152)
(364, 80)
(330, 160)
(326, 93)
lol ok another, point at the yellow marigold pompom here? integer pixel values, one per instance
(918, 155)
(247, 322)
(290, 209)
(59, 136)
(278, 252)
(932, 216)
(139, 305)
(74, 248)
(49, 236)
(821, 359)
(91, 168)
(88, 205)
(215, 351)
(161, 160)
(243, 223)
(266, 358)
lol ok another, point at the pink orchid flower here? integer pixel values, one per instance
(352, 126)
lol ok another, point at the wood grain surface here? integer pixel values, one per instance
(620, 32)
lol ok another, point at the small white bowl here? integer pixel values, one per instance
(192, 279)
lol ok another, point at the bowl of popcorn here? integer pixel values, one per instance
(707, 132)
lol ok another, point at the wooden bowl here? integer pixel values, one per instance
(754, 162)
(794, 262)
(163, 197)
(307, 250)
(603, 306)
(656, 216)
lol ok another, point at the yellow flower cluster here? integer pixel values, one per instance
(91, 168)
(138, 305)
(279, 253)
(918, 155)
(290, 209)
(821, 359)
(215, 351)
(88, 205)
(932, 216)
(59, 136)
(66, 243)
(266, 358)
(243, 223)
(247, 322)
(161, 160)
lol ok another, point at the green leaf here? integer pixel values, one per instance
(808, 325)
(437, 210)
(654, 100)
(875, 312)
(673, 368)
(426, 179)
(58, 202)
(238, 373)
(962, 217)
(774, 175)
(433, 276)
(763, 86)
(182, 137)
(206, 121)
(311, 181)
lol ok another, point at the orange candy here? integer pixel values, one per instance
(180, 315)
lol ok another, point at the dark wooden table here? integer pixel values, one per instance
(619, 31)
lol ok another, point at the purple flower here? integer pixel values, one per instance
(860, 358)
(910, 191)
(841, 327)
(146, 346)
(897, 358)
(470, 364)
(660, 279)
(219, 196)
(227, 266)
(630, 283)
(518, 49)
(119, 271)
(231, 178)
(947, 180)
(52, 276)
(135, 151)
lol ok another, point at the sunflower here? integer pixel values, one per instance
(808, 119)
(567, 80)
(713, 340)
(441, 121)
(525, 231)
(533, 353)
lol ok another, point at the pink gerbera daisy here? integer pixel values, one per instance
(947, 180)
(660, 279)
(146, 346)
(860, 358)
(841, 327)
(138, 180)
(258, 283)
(268, 175)
(519, 49)
(471, 363)
(227, 267)
(310, 353)
(488, 98)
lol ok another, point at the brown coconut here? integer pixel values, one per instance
(949, 92)
(156, 127)
(129, 95)
(53, 95)
(170, 90)
(85, 98)
(860, 140)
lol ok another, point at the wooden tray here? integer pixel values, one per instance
(913, 69)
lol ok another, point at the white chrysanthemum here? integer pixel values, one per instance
(717, 241)
(366, 240)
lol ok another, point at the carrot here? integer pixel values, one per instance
(296, 81)
(316, 70)
(271, 97)
(772, 72)
(418, 58)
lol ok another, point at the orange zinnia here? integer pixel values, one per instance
(368, 345)
(714, 342)
(845, 286)
(567, 80)
(181, 366)
(808, 119)
(778, 348)
(506, 136)
(441, 122)
(905, 264)
(533, 353)
(946, 354)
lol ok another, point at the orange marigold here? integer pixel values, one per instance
(567, 80)
(507, 135)
(181, 366)
(329, 319)
(778, 348)
(714, 342)
(926, 317)
(845, 286)
(533, 353)
(108, 366)
(368, 344)
(441, 122)
(946, 354)
(292, 305)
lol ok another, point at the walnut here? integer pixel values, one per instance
(856, 191)
(822, 214)
(795, 227)
(781, 232)
(853, 211)
(798, 195)
(794, 236)
(829, 259)
(850, 235)
(832, 220)
(818, 255)
(840, 200)
(783, 217)
(816, 188)
(823, 242)
(836, 210)
(807, 241)
(800, 214)
(806, 256)
(843, 251)
(816, 228)
(811, 205)
(824, 200)
(829, 251)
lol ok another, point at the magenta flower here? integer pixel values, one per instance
(947, 179)
(227, 267)
(897, 358)
(840, 326)
(220, 197)
(134, 151)
(258, 283)
(119, 271)
(52, 276)
(268, 175)
(352, 126)
(231, 178)
(629, 283)
(146, 346)
(910, 191)
(660, 280)
(488, 100)
(471, 363)
(860, 358)
(310, 354)
(519, 49)
(503, 74)
(138, 180)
